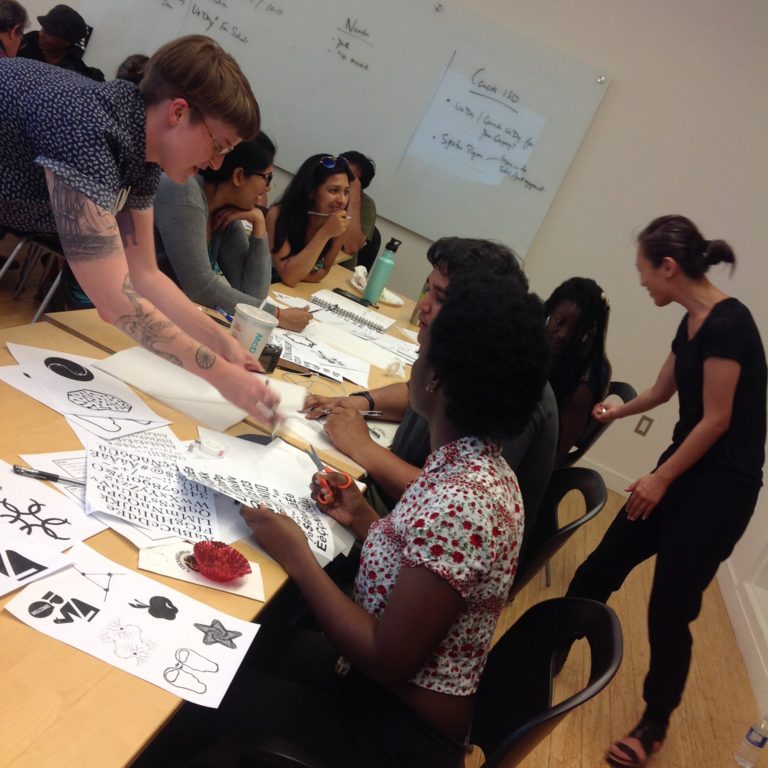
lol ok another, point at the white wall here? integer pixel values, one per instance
(681, 130)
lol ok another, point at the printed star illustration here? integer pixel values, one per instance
(215, 633)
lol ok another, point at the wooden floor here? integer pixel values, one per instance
(718, 704)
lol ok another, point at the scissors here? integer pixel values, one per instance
(325, 494)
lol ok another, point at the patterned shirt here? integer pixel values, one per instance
(90, 134)
(463, 519)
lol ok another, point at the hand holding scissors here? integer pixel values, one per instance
(325, 495)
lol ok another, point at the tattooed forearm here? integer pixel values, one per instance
(127, 228)
(87, 231)
(205, 358)
(143, 325)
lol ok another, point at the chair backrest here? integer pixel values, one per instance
(594, 429)
(513, 707)
(547, 536)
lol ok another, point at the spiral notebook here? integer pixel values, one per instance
(350, 311)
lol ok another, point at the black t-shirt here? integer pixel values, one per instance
(729, 332)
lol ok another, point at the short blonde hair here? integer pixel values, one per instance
(198, 69)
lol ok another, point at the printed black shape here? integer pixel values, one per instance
(69, 369)
(215, 633)
(160, 607)
(19, 567)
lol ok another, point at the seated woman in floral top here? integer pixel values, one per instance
(434, 574)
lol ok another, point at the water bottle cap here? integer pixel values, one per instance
(393, 245)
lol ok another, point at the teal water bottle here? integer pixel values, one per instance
(380, 272)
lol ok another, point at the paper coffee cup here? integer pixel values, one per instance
(252, 327)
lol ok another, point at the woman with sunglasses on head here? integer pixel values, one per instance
(202, 243)
(694, 506)
(306, 226)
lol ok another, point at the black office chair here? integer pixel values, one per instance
(513, 708)
(594, 429)
(547, 536)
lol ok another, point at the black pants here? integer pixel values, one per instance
(691, 531)
(287, 694)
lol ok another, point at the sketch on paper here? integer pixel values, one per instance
(127, 641)
(69, 369)
(23, 561)
(216, 633)
(30, 518)
(71, 608)
(188, 665)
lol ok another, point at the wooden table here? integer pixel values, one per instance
(60, 706)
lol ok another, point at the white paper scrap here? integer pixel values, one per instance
(23, 561)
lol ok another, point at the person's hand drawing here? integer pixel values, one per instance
(278, 535)
(294, 318)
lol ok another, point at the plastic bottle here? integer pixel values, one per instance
(380, 272)
(753, 745)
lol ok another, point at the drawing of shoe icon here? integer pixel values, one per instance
(180, 675)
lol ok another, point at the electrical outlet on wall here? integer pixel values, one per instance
(643, 425)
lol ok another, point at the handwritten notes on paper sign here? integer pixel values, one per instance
(478, 130)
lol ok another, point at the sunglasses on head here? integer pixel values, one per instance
(329, 161)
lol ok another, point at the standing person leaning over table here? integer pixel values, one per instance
(531, 453)
(200, 237)
(306, 226)
(81, 159)
(434, 576)
(693, 508)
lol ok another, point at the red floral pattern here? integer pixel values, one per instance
(463, 519)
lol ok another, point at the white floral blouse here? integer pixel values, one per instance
(463, 519)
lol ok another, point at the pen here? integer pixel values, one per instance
(223, 312)
(325, 215)
(372, 414)
(38, 474)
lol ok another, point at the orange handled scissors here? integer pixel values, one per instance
(325, 495)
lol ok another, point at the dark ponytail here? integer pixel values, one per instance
(679, 239)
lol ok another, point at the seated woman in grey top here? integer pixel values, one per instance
(201, 242)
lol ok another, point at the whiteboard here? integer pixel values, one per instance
(472, 126)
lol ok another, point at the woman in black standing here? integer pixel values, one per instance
(693, 508)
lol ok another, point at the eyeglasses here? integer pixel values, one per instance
(329, 161)
(266, 176)
(218, 149)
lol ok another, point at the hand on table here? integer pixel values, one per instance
(315, 405)
(347, 430)
(646, 493)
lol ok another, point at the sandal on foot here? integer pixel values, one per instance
(650, 737)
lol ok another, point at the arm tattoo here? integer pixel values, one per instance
(87, 231)
(205, 358)
(127, 227)
(142, 326)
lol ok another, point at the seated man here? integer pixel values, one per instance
(61, 29)
(530, 454)
(359, 238)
